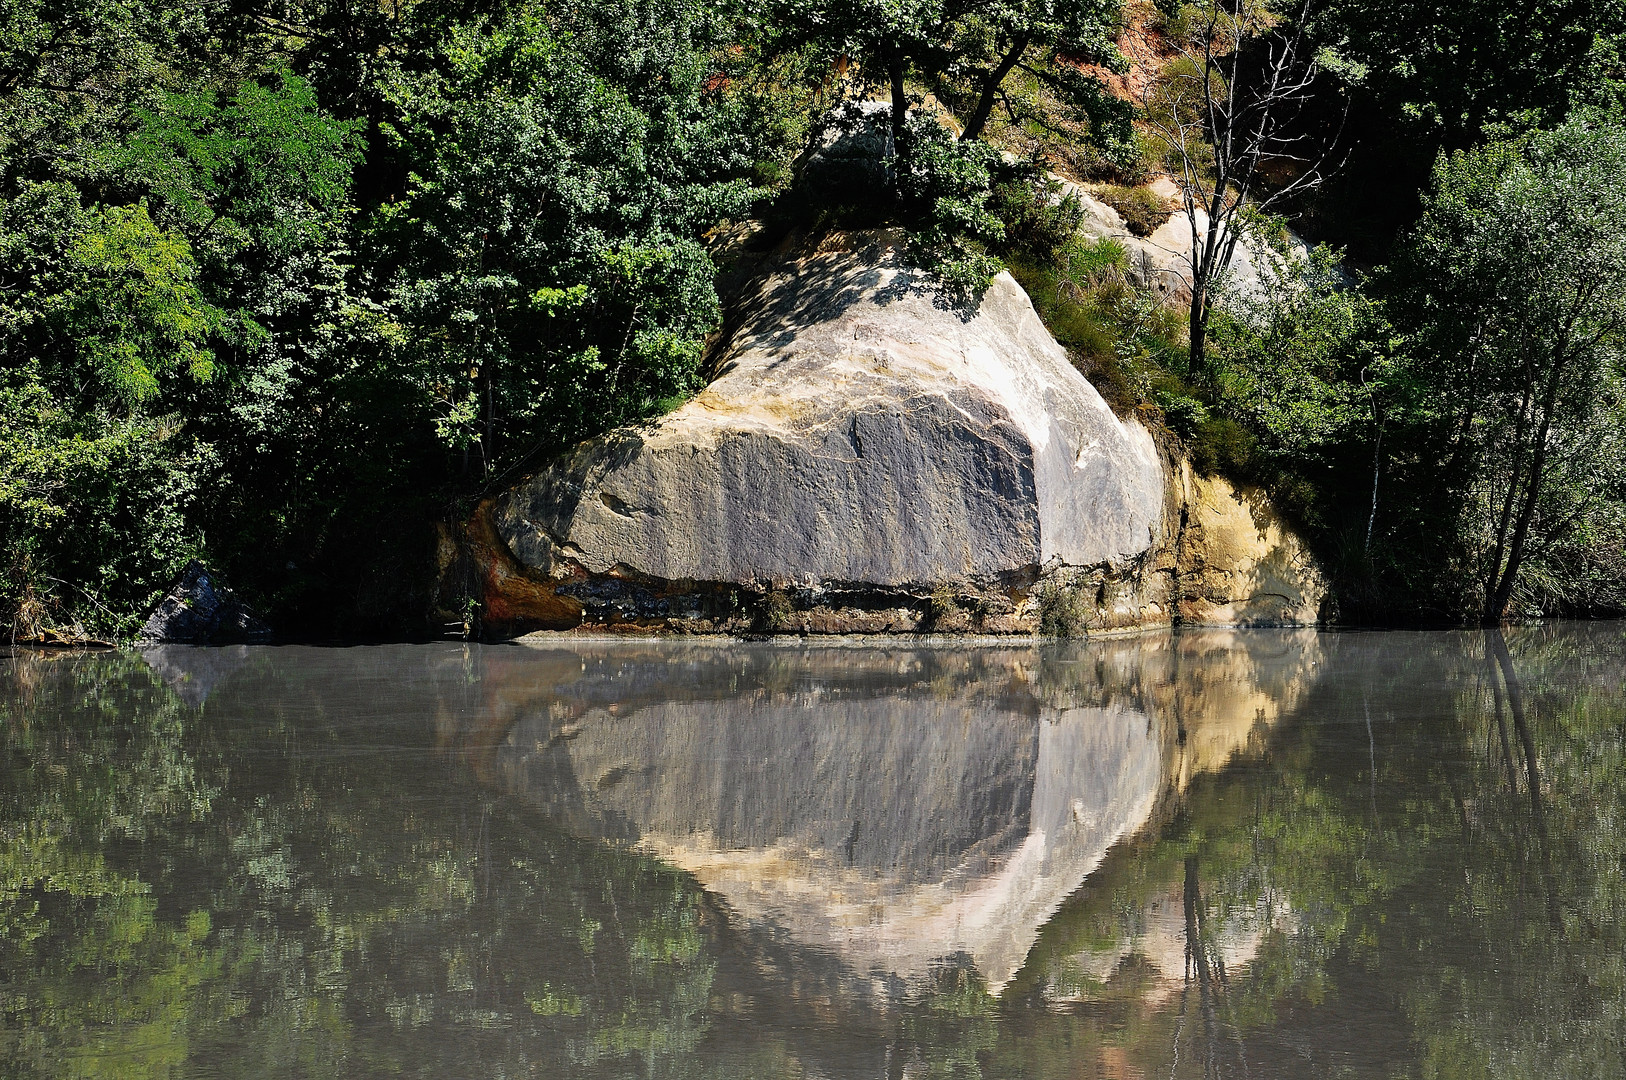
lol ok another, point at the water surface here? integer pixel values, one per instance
(1251, 853)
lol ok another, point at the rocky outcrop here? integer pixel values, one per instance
(198, 610)
(872, 458)
(1161, 262)
(1238, 563)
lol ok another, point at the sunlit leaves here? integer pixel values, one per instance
(140, 314)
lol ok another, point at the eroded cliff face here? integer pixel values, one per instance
(872, 458)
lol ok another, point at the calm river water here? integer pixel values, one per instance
(1216, 854)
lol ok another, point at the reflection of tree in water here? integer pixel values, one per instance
(174, 890)
(78, 791)
(1537, 984)
(1439, 829)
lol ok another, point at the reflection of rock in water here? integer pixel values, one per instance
(867, 812)
(895, 822)
(1218, 692)
(193, 671)
(1215, 691)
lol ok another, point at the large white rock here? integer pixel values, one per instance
(862, 430)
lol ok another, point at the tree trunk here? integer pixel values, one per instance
(900, 101)
(1377, 472)
(1211, 254)
(990, 88)
(1503, 593)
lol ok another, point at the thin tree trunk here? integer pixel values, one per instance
(1500, 548)
(990, 88)
(1196, 951)
(1515, 549)
(1198, 351)
(1372, 516)
(900, 101)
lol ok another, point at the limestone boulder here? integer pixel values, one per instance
(863, 430)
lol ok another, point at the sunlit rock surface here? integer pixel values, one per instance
(873, 459)
(1162, 261)
(864, 433)
(1240, 564)
(862, 430)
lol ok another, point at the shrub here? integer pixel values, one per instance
(944, 188)
(1062, 611)
(1185, 415)
(1220, 446)
(1142, 209)
(1040, 219)
(774, 611)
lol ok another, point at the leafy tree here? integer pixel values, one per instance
(946, 188)
(1440, 77)
(1306, 360)
(1449, 72)
(545, 260)
(979, 42)
(1513, 287)
(1006, 32)
(179, 323)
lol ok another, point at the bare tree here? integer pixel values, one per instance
(1234, 104)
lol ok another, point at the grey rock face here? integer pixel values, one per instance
(198, 611)
(861, 431)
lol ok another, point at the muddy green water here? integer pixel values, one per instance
(1217, 854)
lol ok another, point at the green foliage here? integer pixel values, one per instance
(1039, 219)
(1299, 359)
(325, 333)
(945, 187)
(158, 346)
(1063, 610)
(966, 50)
(1512, 292)
(282, 293)
(544, 260)
(1124, 341)
(774, 611)
(137, 312)
(97, 508)
(1450, 72)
